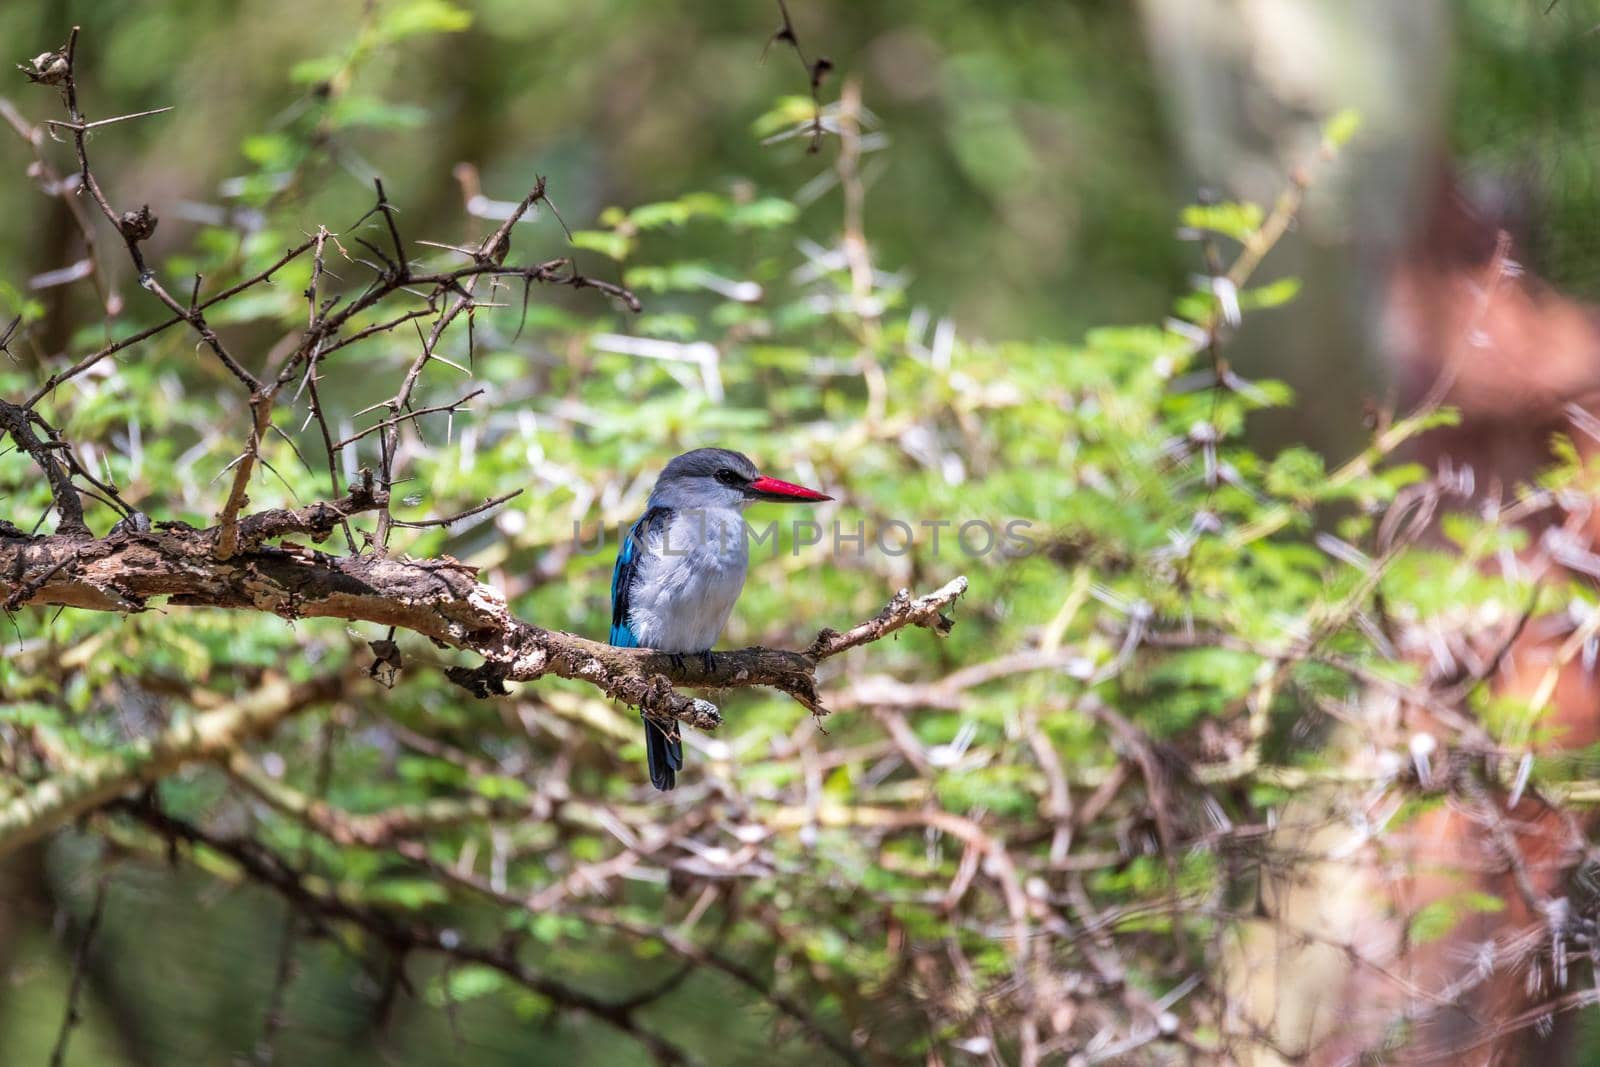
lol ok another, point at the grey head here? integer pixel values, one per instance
(721, 478)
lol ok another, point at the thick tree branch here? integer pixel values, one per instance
(439, 599)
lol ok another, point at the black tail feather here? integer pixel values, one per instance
(665, 754)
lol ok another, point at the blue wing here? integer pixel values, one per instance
(622, 575)
(663, 751)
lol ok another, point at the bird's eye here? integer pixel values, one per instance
(727, 477)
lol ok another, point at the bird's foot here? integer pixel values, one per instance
(677, 659)
(708, 661)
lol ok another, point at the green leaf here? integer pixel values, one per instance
(788, 111)
(1274, 294)
(677, 212)
(667, 277)
(1297, 473)
(1437, 918)
(314, 71)
(354, 110)
(767, 213)
(1431, 922)
(1339, 129)
(270, 150)
(606, 242)
(411, 894)
(29, 713)
(499, 787)
(422, 16)
(465, 983)
(1234, 219)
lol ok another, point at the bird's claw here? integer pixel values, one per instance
(707, 660)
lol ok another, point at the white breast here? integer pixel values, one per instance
(689, 576)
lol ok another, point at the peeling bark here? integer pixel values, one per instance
(440, 599)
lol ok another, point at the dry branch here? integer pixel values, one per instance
(20, 424)
(439, 599)
(399, 934)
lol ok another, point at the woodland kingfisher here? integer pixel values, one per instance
(681, 567)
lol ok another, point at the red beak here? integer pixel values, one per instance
(773, 489)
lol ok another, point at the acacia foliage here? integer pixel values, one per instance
(1027, 841)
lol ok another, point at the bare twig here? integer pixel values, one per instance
(265, 868)
(447, 520)
(80, 967)
(19, 422)
(816, 70)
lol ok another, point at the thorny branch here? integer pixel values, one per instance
(447, 293)
(263, 561)
(400, 936)
(439, 600)
(80, 965)
(394, 829)
(22, 424)
(816, 71)
(1002, 877)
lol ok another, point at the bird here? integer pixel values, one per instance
(682, 566)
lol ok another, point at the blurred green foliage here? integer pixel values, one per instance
(1009, 157)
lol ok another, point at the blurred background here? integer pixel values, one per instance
(1026, 168)
(1040, 147)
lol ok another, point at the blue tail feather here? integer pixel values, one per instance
(664, 753)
